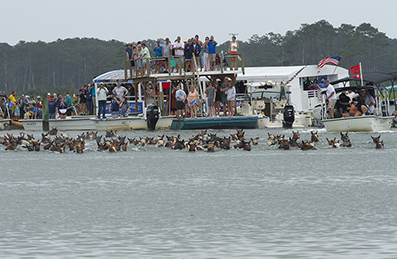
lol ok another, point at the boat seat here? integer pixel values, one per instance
(258, 104)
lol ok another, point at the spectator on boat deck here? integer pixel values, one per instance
(128, 52)
(62, 108)
(158, 53)
(83, 100)
(68, 102)
(150, 95)
(124, 107)
(342, 104)
(210, 91)
(200, 43)
(330, 99)
(120, 91)
(17, 109)
(115, 106)
(307, 83)
(138, 57)
(167, 52)
(23, 104)
(218, 99)
(314, 85)
(196, 48)
(361, 106)
(179, 51)
(205, 54)
(370, 102)
(52, 107)
(233, 48)
(145, 56)
(224, 88)
(12, 96)
(188, 56)
(102, 93)
(90, 107)
(231, 95)
(193, 99)
(212, 52)
(180, 102)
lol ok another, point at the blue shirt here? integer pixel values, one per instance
(89, 95)
(115, 105)
(211, 47)
(92, 88)
(158, 52)
(129, 51)
(180, 95)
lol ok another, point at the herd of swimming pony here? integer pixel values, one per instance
(56, 141)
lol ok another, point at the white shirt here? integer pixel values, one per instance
(331, 89)
(231, 94)
(179, 52)
(102, 93)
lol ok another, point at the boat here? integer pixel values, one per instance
(69, 124)
(237, 122)
(380, 120)
(130, 123)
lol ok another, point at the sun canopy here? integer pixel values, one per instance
(373, 77)
(111, 77)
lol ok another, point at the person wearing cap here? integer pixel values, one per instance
(196, 48)
(48, 96)
(180, 102)
(115, 106)
(24, 104)
(167, 52)
(158, 53)
(102, 93)
(52, 107)
(330, 99)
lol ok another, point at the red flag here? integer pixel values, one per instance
(355, 69)
(358, 76)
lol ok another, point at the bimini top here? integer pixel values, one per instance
(111, 77)
(375, 78)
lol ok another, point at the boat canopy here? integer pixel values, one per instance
(111, 77)
(375, 78)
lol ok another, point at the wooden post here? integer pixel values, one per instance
(161, 102)
(242, 63)
(45, 114)
(136, 96)
(125, 70)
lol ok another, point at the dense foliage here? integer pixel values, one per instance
(38, 66)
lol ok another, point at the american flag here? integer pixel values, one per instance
(331, 59)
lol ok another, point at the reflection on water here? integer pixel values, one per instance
(154, 202)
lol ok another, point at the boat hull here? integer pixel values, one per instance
(238, 122)
(131, 123)
(369, 123)
(68, 124)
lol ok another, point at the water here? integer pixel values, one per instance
(158, 203)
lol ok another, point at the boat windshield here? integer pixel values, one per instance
(265, 95)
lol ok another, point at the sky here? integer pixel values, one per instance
(131, 21)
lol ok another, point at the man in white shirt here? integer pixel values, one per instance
(331, 98)
(179, 51)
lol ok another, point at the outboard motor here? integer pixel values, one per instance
(289, 116)
(152, 116)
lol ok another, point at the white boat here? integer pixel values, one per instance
(379, 121)
(69, 124)
(367, 123)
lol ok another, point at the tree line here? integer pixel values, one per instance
(36, 67)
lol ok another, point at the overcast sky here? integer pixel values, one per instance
(128, 21)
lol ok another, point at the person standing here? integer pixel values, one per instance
(167, 53)
(68, 102)
(330, 99)
(196, 48)
(200, 43)
(193, 98)
(205, 54)
(218, 99)
(210, 91)
(120, 91)
(180, 102)
(128, 52)
(102, 93)
(158, 53)
(145, 56)
(224, 88)
(212, 52)
(52, 107)
(231, 95)
(62, 108)
(188, 56)
(92, 88)
(233, 48)
(179, 51)
(89, 102)
(83, 100)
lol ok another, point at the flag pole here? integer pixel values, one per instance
(361, 75)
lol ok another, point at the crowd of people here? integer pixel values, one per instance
(173, 54)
